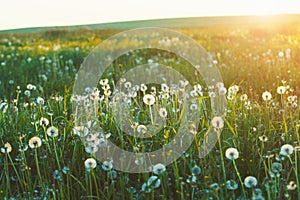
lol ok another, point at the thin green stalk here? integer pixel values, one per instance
(17, 174)
(38, 169)
(239, 177)
(8, 189)
(222, 159)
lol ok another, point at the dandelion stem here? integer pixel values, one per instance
(151, 115)
(38, 169)
(222, 158)
(239, 177)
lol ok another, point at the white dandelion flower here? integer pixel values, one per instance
(281, 90)
(90, 163)
(266, 96)
(165, 87)
(232, 153)
(231, 185)
(217, 122)
(263, 138)
(286, 150)
(233, 89)
(230, 97)
(31, 87)
(214, 186)
(220, 85)
(90, 148)
(250, 181)
(222, 91)
(276, 167)
(149, 99)
(127, 85)
(159, 169)
(212, 94)
(103, 81)
(35, 142)
(244, 97)
(44, 121)
(163, 112)
(40, 101)
(291, 186)
(52, 131)
(146, 188)
(107, 165)
(7, 148)
(81, 131)
(143, 87)
(27, 93)
(141, 129)
(153, 182)
(196, 170)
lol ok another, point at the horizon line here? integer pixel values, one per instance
(140, 20)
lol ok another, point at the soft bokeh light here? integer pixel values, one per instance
(32, 13)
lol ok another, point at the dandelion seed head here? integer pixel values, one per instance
(196, 170)
(81, 131)
(217, 122)
(146, 188)
(103, 81)
(90, 163)
(231, 185)
(149, 99)
(266, 96)
(286, 150)
(141, 129)
(263, 138)
(35, 142)
(7, 148)
(214, 186)
(250, 181)
(107, 165)
(44, 122)
(281, 90)
(90, 148)
(276, 167)
(52, 131)
(163, 112)
(158, 168)
(153, 182)
(232, 153)
(292, 185)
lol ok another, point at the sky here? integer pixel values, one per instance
(40, 13)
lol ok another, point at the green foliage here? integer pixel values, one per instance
(257, 59)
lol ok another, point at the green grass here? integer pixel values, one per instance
(247, 55)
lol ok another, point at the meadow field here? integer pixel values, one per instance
(42, 154)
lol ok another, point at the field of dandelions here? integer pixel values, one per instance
(42, 154)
